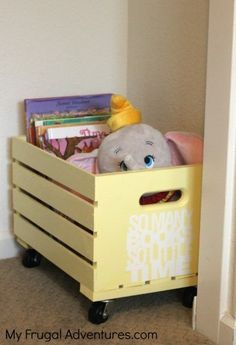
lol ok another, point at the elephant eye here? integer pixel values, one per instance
(149, 161)
(123, 166)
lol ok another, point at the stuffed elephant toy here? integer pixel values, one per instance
(133, 145)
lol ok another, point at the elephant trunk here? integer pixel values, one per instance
(131, 163)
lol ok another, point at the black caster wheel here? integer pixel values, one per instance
(98, 312)
(188, 296)
(31, 258)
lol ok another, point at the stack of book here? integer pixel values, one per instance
(71, 128)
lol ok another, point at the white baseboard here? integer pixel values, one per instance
(8, 246)
(227, 332)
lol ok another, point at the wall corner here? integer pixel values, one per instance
(227, 330)
(8, 246)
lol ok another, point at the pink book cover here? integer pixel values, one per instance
(66, 147)
(81, 152)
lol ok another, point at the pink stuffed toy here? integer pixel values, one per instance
(185, 148)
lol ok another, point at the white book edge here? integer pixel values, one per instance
(77, 131)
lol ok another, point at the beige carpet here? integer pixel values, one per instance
(46, 299)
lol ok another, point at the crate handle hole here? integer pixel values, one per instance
(160, 197)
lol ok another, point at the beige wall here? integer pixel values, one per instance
(167, 61)
(155, 49)
(52, 48)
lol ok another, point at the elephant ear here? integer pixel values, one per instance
(185, 147)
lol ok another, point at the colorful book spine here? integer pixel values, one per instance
(71, 106)
(71, 120)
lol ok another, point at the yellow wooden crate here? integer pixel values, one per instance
(93, 227)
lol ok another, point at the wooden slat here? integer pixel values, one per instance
(160, 285)
(79, 180)
(55, 224)
(53, 195)
(69, 262)
(136, 183)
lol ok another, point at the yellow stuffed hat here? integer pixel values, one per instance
(123, 113)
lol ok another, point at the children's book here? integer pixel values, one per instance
(71, 120)
(81, 131)
(65, 140)
(68, 106)
(41, 126)
(67, 147)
